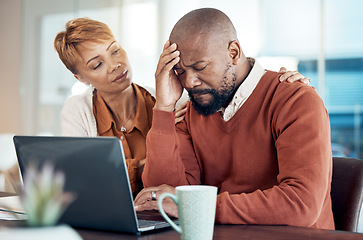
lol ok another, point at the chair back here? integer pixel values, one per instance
(347, 192)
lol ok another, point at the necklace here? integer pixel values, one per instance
(123, 128)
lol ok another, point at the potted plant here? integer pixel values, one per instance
(44, 201)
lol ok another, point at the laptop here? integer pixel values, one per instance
(95, 171)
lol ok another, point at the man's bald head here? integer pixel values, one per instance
(206, 24)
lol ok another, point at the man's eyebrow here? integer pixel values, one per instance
(99, 55)
(193, 65)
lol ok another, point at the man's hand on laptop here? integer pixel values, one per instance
(147, 199)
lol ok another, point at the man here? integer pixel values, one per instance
(264, 143)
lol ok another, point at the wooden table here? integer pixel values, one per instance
(222, 232)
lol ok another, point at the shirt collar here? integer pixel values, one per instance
(245, 89)
(249, 84)
(141, 118)
(106, 120)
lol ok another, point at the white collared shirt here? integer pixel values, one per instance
(244, 90)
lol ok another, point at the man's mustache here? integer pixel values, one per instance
(191, 92)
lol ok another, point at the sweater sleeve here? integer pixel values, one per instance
(301, 129)
(77, 118)
(164, 164)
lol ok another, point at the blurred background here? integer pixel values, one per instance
(322, 39)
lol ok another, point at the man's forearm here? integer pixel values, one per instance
(163, 163)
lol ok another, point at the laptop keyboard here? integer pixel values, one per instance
(148, 223)
(150, 218)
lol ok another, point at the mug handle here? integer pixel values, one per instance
(161, 210)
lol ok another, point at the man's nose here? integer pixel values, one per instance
(191, 80)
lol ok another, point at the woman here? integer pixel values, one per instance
(113, 106)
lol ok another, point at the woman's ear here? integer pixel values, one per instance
(235, 52)
(81, 79)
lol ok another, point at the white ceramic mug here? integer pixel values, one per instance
(196, 210)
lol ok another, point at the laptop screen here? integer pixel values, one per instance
(95, 171)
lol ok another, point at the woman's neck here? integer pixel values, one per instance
(122, 107)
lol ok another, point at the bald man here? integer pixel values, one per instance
(264, 143)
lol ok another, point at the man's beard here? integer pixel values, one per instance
(220, 96)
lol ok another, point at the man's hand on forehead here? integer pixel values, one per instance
(168, 86)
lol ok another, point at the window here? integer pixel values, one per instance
(314, 37)
(328, 44)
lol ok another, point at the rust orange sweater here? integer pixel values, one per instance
(271, 161)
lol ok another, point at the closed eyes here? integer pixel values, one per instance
(116, 51)
(179, 71)
(200, 69)
(101, 62)
(98, 65)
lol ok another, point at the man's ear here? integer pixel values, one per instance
(81, 79)
(235, 51)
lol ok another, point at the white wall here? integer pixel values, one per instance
(10, 66)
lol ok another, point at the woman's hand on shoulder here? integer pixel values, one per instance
(292, 76)
(180, 112)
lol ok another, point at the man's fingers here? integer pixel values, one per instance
(166, 45)
(144, 200)
(167, 62)
(167, 55)
(167, 49)
(145, 195)
(169, 207)
(141, 199)
(149, 205)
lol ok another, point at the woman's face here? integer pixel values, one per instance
(104, 65)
